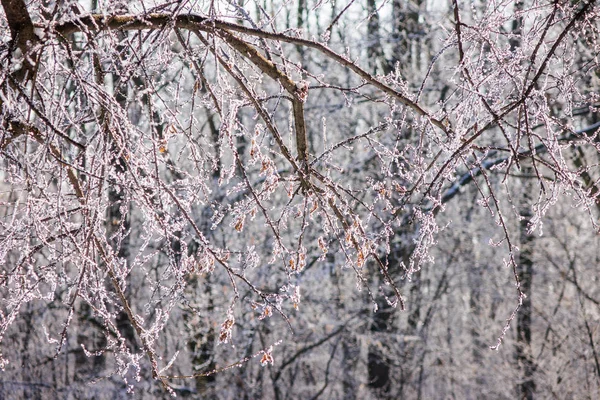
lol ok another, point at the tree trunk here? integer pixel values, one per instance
(523, 353)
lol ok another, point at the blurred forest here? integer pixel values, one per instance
(246, 199)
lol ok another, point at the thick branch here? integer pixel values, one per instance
(22, 34)
(296, 90)
(19, 22)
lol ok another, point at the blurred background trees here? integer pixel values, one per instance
(305, 199)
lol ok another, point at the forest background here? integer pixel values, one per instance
(303, 199)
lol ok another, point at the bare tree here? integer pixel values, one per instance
(178, 177)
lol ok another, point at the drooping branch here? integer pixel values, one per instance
(107, 257)
(298, 91)
(259, 108)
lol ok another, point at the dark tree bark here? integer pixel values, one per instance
(378, 364)
(22, 35)
(406, 30)
(526, 386)
(375, 54)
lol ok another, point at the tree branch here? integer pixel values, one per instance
(99, 22)
(22, 35)
(468, 177)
